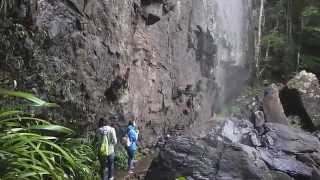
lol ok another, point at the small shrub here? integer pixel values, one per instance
(33, 148)
(121, 159)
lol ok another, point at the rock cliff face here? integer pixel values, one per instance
(172, 62)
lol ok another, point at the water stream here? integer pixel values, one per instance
(230, 30)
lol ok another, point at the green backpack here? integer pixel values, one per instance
(104, 147)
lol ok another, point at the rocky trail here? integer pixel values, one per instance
(141, 168)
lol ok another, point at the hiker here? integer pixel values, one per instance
(132, 135)
(107, 140)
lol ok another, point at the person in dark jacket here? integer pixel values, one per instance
(132, 133)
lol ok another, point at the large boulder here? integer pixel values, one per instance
(207, 159)
(282, 162)
(272, 106)
(308, 89)
(234, 150)
(288, 139)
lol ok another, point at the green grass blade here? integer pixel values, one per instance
(62, 151)
(24, 118)
(43, 156)
(10, 113)
(52, 128)
(28, 96)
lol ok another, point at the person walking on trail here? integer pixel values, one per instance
(107, 140)
(132, 147)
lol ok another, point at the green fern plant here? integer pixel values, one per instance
(33, 148)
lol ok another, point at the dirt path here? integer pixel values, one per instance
(140, 171)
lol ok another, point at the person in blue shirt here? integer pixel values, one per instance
(132, 133)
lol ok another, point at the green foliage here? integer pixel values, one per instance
(32, 148)
(309, 62)
(181, 178)
(311, 11)
(30, 97)
(253, 91)
(291, 36)
(121, 159)
(274, 40)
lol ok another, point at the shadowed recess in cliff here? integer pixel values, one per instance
(206, 51)
(292, 105)
(152, 11)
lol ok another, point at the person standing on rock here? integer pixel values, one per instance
(132, 135)
(107, 139)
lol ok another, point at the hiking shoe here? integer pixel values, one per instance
(130, 172)
(112, 178)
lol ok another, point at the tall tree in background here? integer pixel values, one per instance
(258, 42)
(290, 38)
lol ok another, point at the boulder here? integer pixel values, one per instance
(272, 106)
(233, 149)
(180, 156)
(219, 155)
(240, 162)
(285, 163)
(207, 159)
(308, 88)
(291, 140)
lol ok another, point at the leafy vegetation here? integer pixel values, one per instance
(32, 148)
(290, 39)
(181, 178)
(121, 160)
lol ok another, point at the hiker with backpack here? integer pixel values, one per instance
(132, 138)
(107, 140)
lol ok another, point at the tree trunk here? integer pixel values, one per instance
(258, 44)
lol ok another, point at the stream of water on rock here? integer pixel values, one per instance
(230, 30)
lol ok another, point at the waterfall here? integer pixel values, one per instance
(230, 27)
